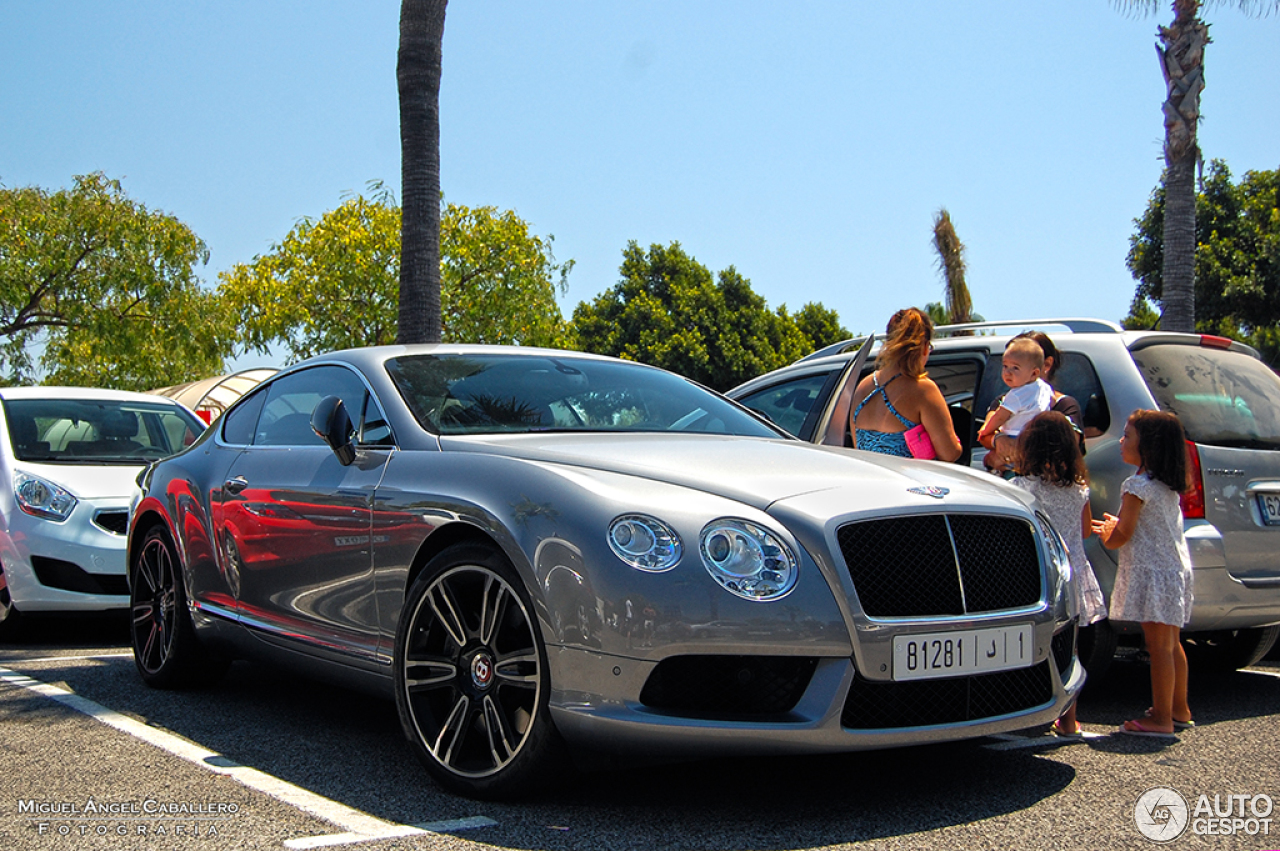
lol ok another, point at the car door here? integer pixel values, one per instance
(832, 427)
(295, 525)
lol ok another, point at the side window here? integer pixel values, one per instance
(376, 431)
(1076, 377)
(788, 404)
(1079, 380)
(286, 413)
(240, 423)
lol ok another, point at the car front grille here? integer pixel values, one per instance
(68, 576)
(112, 520)
(1063, 648)
(728, 687)
(874, 705)
(941, 564)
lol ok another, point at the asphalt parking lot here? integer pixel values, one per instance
(269, 760)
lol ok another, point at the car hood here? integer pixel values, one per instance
(88, 481)
(760, 472)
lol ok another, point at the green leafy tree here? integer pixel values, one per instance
(418, 68)
(819, 325)
(498, 280)
(668, 311)
(96, 289)
(1182, 47)
(335, 283)
(1237, 259)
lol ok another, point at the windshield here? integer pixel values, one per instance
(1223, 398)
(89, 431)
(499, 393)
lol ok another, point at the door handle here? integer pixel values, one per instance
(234, 486)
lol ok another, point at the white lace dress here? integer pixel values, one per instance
(1064, 504)
(1153, 582)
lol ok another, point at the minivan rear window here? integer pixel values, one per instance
(1223, 398)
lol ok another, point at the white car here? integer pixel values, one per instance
(69, 461)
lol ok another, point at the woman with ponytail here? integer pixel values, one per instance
(882, 417)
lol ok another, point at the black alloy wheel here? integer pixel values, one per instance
(165, 648)
(471, 677)
(153, 605)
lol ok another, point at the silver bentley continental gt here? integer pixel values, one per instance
(544, 555)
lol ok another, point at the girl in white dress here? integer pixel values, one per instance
(1052, 469)
(1153, 582)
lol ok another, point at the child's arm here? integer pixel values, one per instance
(993, 423)
(1086, 520)
(1117, 531)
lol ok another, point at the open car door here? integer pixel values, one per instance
(833, 427)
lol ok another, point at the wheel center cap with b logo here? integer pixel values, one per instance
(482, 670)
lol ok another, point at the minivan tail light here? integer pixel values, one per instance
(1193, 500)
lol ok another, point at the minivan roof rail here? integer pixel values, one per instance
(1073, 324)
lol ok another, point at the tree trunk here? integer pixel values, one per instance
(418, 69)
(1182, 59)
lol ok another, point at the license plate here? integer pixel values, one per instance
(1269, 505)
(949, 654)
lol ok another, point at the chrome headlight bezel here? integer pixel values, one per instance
(644, 543)
(748, 560)
(42, 498)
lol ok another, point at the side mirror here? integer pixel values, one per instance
(332, 424)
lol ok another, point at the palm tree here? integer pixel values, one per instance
(418, 69)
(951, 263)
(1181, 50)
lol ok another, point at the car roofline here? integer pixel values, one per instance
(1076, 325)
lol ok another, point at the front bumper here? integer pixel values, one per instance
(606, 702)
(77, 565)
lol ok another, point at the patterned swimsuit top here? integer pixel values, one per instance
(884, 442)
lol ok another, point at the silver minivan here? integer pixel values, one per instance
(1229, 404)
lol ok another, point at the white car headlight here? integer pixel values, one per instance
(747, 560)
(41, 498)
(645, 543)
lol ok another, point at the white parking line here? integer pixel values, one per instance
(356, 825)
(92, 658)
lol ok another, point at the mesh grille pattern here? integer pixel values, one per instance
(951, 700)
(1063, 648)
(730, 687)
(907, 566)
(902, 566)
(1001, 565)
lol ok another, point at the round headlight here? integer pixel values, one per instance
(747, 559)
(645, 543)
(42, 498)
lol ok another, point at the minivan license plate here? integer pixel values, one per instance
(949, 654)
(1269, 506)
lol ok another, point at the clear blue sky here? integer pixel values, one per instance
(809, 144)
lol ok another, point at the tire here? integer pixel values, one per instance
(1096, 647)
(1231, 650)
(165, 648)
(471, 679)
(10, 618)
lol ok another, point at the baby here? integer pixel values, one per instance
(1021, 366)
